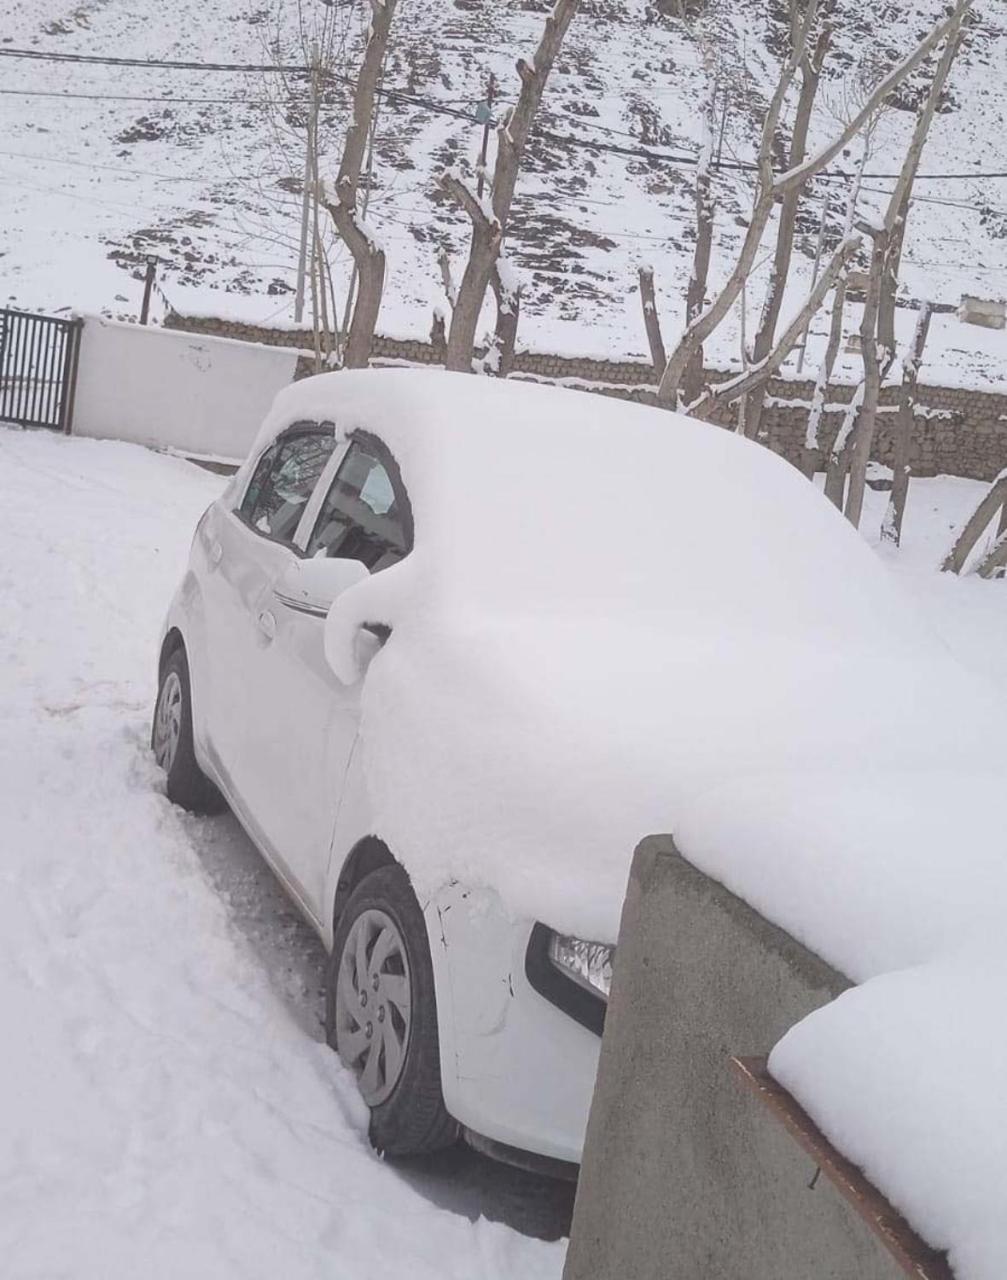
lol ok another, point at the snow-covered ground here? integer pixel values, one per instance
(164, 1111)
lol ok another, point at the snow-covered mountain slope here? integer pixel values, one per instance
(188, 164)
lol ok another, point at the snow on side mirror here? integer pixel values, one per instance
(314, 585)
(350, 643)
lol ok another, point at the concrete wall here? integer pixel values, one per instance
(686, 1176)
(959, 431)
(204, 395)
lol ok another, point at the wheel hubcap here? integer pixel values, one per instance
(373, 1006)
(168, 721)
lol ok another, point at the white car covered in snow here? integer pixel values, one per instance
(449, 647)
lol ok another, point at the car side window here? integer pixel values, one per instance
(284, 480)
(365, 514)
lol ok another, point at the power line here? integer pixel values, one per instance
(837, 176)
(130, 97)
(439, 108)
(44, 55)
(115, 168)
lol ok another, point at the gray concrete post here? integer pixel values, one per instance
(685, 1175)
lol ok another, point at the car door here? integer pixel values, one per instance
(248, 547)
(303, 720)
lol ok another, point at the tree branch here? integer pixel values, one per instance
(799, 174)
(758, 374)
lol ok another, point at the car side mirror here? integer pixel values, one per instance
(313, 586)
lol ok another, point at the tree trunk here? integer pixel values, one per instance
(996, 558)
(480, 268)
(994, 499)
(652, 321)
(368, 255)
(891, 526)
(489, 224)
(1000, 569)
(812, 436)
(863, 436)
(835, 465)
(811, 74)
(370, 261)
(839, 457)
(507, 291)
(695, 298)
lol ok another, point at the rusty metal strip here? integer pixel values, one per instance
(913, 1255)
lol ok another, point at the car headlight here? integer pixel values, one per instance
(589, 964)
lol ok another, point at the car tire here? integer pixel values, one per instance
(380, 953)
(171, 741)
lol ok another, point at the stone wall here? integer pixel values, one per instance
(958, 431)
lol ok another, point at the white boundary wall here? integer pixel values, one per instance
(172, 390)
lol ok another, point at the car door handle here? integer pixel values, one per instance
(267, 625)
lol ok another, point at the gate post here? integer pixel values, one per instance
(70, 364)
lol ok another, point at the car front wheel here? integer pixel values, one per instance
(381, 1014)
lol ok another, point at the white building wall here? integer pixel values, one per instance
(164, 389)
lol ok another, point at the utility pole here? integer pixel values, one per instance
(310, 168)
(484, 112)
(148, 288)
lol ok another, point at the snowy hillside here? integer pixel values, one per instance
(104, 164)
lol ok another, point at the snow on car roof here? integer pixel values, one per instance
(531, 493)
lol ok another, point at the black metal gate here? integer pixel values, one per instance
(38, 369)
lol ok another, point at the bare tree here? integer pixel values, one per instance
(891, 525)
(877, 332)
(994, 501)
(811, 75)
(342, 201)
(301, 119)
(812, 437)
(774, 187)
(870, 388)
(489, 218)
(695, 298)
